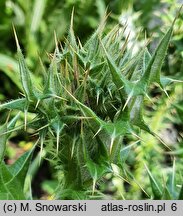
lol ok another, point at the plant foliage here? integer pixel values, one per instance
(91, 97)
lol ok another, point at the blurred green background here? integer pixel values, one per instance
(37, 20)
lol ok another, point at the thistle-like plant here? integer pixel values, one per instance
(91, 97)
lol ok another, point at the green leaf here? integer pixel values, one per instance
(70, 194)
(171, 184)
(102, 154)
(4, 196)
(179, 109)
(146, 59)
(124, 152)
(20, 167)
(58, 126)
(18, 104)
(24, 73)
(166, 194)
(9, 185)
(4, 193)
(96, 170)
(10, 67)
(154, 185)
(119, 80)
(87, 112)
(165, 81)
(181, 193)
(52, 84)
(152, 72)
(4, 134)
(3, 139)
(13, 121)
(136, 113)
(49, 186)
(37, 14)
(12, 177)
(71, 36)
